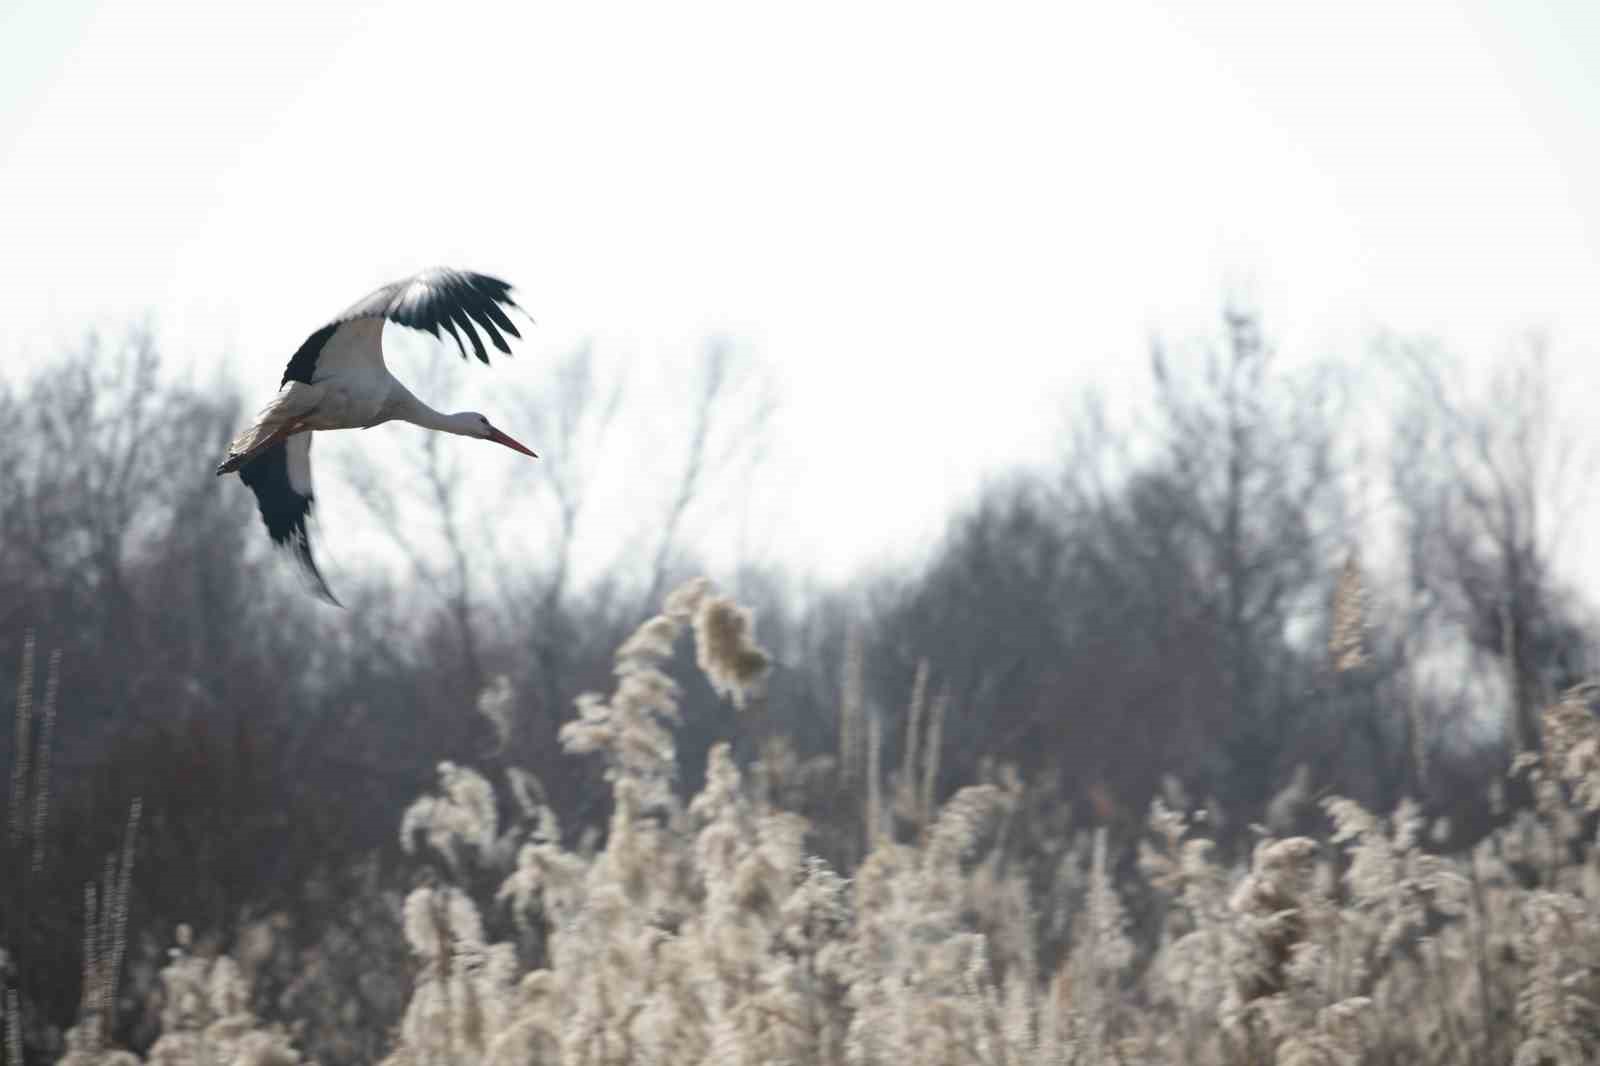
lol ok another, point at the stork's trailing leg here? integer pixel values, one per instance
(248, 446)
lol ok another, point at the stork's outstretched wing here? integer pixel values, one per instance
(445, 298)
(280, 477)
(433, 299)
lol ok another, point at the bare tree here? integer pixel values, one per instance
(442, 557)
(1253, 481)
(732, 404)
(1486, 483)
(574, 421)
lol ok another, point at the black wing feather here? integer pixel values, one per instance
(284, 510)
(486, 310)
(304, 363)
(468, 307)
(450, 327)
(464, 320)
(500, 318)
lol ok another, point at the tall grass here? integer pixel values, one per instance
(708, 930)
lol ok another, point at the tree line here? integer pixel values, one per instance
(1277, 580)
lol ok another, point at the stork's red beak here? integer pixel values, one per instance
(516, 446)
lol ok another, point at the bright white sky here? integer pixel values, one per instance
(932, 219)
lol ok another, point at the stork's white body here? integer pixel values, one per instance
(350, 388)
(338, 380)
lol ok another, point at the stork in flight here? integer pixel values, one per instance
(338, 380)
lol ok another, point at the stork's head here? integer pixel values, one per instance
(472, 424)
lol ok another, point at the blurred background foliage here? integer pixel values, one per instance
(1282, 579)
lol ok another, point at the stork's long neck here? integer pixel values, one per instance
(410, 409)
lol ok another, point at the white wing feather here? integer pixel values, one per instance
(299, 457)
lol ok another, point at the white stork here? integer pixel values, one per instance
(338, 380)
